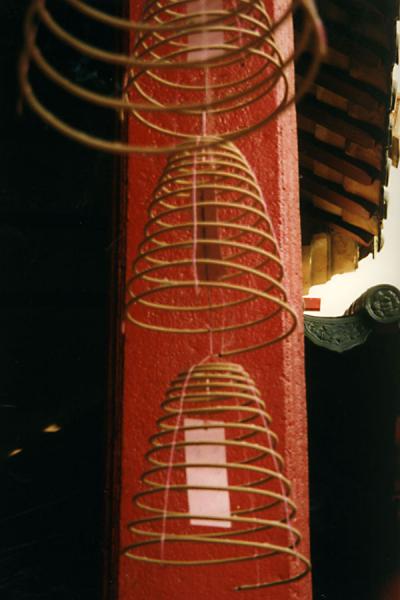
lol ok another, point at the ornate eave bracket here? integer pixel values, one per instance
(378, 309)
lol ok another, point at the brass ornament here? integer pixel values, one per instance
(208, 262)
(185, 61)
(215, 410)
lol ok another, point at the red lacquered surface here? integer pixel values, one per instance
(152, 360)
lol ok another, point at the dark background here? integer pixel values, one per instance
(353, 399)
(59, 244)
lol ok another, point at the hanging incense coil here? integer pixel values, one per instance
(215, 492)
(209, 263)
(234, 66)
(188, 59)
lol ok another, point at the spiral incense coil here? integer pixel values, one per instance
(189, 58)
(214, 492)
(208, 263)
(235, 65)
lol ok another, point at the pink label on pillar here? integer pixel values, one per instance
(204, 38)
(211, 503)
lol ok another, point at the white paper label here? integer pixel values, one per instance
(212, 503)
(205, 38)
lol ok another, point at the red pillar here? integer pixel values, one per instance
(152, 360)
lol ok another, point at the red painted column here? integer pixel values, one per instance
(152, 360)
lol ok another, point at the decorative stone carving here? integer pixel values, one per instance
(383, 303)
(336, 333)
(377, 307)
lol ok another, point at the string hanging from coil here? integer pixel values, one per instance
(216, 405)
(237, 283)
(175, 434)
(176, 46)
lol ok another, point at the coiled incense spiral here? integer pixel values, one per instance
(214, 492)
(182, 61)
(208, 262)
